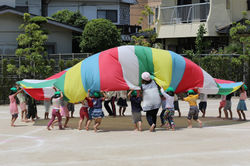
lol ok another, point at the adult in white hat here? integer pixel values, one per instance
(151, 99)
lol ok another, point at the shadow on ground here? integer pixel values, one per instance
(125, 123)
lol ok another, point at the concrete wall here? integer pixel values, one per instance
(218, 17)
(9, 31)
(135, 12)
(236, 8)
(88, 9)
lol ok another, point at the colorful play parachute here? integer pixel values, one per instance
(120, 68)
(40, 89)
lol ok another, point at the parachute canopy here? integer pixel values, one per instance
(120, 68)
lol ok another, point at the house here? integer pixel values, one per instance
(179, 21)
(148, 21)
(59, 37)
(117, 11)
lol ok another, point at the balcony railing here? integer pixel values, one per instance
(185, 13)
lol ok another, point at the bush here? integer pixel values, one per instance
(99, 35)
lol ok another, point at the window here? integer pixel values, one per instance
(108, 14)
(156, 13)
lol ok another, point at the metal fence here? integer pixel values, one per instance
(57, 57)
(197, 12)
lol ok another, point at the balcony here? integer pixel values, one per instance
(185, 13)
(183, 21)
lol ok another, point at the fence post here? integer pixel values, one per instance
(73, 56)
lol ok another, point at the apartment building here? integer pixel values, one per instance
(179, 21)
(148, 21)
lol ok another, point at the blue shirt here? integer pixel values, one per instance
(97, 103)
(136, 103)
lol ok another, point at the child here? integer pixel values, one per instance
(56, 109)
(122, 102)
(32, 110)
(65, 111)
(136, 99)
(97, 113)
(22, 101)
(47, 107)
(228, 106)
(193, 111)
(222, 104)
(84, 112)
(242, 104)
(13, 105)
(111, 96)
(169, 113)
(163, 106)
(176, 104)
(71, 108)
(203, 104)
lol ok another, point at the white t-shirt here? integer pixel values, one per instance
(203, 97)
(169, 99)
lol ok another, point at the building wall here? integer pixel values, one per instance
(9, 31)
(89, 8)
(135, 12)
(236, 8)
(8, 3)
(35, 7)
(61, 37)
(124, 14)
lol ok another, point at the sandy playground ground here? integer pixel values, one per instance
(219, 142)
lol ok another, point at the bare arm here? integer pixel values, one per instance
(164, 93)
(61, 95)
(129, 93)
(104, 94)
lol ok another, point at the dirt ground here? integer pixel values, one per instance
(219, 142)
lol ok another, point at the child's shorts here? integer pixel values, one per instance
(168, 113)
(71, 107)
(97, 113)
(203, 105)
(222, 103)
(90, 113)
(193, 113)
(176, 105)
(228, 105)
(136, 116)
(15, 115)
(84, 113)
(23, 106)
(64, 111)
(242, 105)
(122, 102)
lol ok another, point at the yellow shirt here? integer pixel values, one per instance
(191, 99)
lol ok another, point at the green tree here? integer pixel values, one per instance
(72, 18)
(240, 35)
(150, 39)
(200, 43)
(99, 35)
(146, 13)
(75, 19)
(31, 49)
